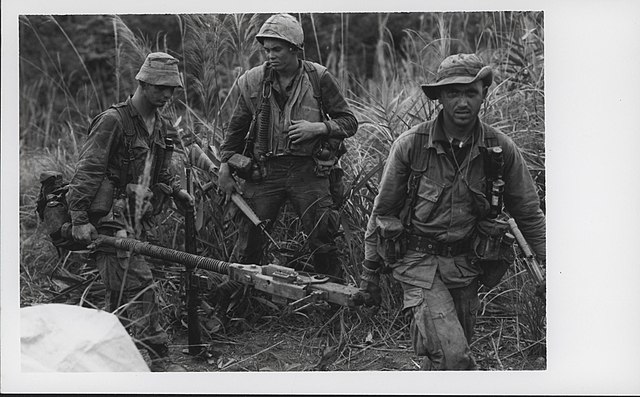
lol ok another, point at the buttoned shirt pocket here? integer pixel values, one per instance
(429, 192)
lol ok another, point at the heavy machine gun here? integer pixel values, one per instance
(279, 281)
(284, 284)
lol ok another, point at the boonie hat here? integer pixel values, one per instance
(282, 27)
(459, 69)
(160, 69)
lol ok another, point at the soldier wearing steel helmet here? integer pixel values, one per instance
(433, 206)
(114, 170)
(286, 119)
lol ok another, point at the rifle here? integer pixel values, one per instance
(190, 284)
(200, 159)
(530, 261)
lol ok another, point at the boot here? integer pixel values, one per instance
(160, 360)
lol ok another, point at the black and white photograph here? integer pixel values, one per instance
(295, 200)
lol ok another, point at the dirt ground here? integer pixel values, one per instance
(326, 339)
(258, 335)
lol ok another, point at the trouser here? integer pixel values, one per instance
(291, 178)
(129, 290)
(442, 325)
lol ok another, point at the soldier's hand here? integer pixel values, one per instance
(227, 184)
(372, 293)
(302, 130)
(183, 201)
(370, 283)
(184, 198)
(84, 233)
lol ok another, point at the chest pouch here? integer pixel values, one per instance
(493, 250)
(392, 242)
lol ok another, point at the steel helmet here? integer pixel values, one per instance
(283, 27)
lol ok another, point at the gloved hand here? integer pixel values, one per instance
(183, 200)
(370, 283)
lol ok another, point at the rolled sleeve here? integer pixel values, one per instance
(343, 123)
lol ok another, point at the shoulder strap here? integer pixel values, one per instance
(312, 72)
(493, 165)
(419, 160)
(128, 131)
(490, 138)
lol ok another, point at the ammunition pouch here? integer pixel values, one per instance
(246, 168)
(493, 250)
(392, 242)
(326, 155)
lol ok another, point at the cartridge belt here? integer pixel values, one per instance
(431, 246)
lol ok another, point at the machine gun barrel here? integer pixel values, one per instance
(279, 281)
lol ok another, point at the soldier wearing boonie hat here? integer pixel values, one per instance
(111, 169)
(160, 68)
(433, 194)
(459, 69)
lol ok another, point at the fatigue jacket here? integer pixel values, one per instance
(104, 152)
(445, 209)
(300, 105)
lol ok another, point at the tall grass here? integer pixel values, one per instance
(216, 49)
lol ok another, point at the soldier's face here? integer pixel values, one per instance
(279, 54)
(461, 102)
(158, 95)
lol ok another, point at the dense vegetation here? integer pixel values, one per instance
(72, 67)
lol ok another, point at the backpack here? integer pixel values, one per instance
(52, 207)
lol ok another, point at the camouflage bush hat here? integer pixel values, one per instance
(160, 69)
(459, 69)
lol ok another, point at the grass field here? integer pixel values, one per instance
(68, 76)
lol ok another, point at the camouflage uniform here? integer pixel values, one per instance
(105, 154)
